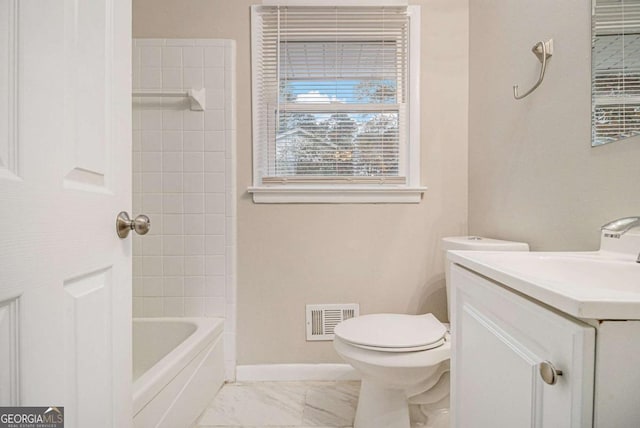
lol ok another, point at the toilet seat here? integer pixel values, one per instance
(392, 332)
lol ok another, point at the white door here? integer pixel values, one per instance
(499, 341)
(65, 149)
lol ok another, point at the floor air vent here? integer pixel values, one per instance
(322, 319)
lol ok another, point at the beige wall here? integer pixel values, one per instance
(385, 257)
(532, 173)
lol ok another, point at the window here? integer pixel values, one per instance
(616, 71)
(335, 109)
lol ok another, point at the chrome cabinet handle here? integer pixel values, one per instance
(549, 373)
(141, 224)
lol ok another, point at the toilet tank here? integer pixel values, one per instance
(475, 243)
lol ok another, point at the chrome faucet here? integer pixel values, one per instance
(620, 226)
(617, 228)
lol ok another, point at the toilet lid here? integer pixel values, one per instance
(403, 333)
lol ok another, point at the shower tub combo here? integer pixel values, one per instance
(178, 367)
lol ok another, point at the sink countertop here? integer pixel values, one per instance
(588, 285)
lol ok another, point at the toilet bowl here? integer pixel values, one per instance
(404, 358)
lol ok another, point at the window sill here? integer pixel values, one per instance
(335, 195)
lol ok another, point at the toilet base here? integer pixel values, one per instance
(380, 407)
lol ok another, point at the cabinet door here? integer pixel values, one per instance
(499, 340)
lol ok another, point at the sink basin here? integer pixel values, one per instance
(594, 285)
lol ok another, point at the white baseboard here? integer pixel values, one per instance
(295, 372)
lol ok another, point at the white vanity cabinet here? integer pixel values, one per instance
(500, 339)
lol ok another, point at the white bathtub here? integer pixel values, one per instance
(178, 367)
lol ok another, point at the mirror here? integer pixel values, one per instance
(615, 70)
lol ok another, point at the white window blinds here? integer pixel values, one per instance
(616, 70)
(330, 94)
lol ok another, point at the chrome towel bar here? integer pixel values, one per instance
(197, 97)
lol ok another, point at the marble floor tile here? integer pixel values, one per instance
(331, 404)
(282, 405)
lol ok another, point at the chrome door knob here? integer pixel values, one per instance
(141, 224)
(549, 373)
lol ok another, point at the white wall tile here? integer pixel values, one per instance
(150, 78)
(150, 56)
(172, 141)
(172, 119)
(150, 120)
(136, 182)
(193, 141)
(193, 77)
(182, 168)
(173, 306)
(192, 56)
(171, 57)
(193, 224)
(151, 162)
(193, 203)
(193, 307)
(214, 203)
(214, 141)
(172, 182)
(214, 245)
(148, 42)
(156, 223)
(214, 79)
(137, 286)
(215, 99)
(211, 42)
(194, 162)
(214, 162)
(193, 182)
(173, 245)
(214, 120)
(172, 78)
(151, 182)
(172, 162)
(173, 224)
(193, 120)
(137, 266)
(152, 286)
(172, 203)
(194, 265)
(173, 286)
(173, 265)
(214, 224)
(214, 306)
(180, 42)
(214, 182)
(194, 286)
(137, 307)
(152, 245)
(151, 266)
(152, 306)
(215, 286)
(214, 56)
(194, 245)
(152, 203)
(214, 265)
(150, 141)
(136, 141)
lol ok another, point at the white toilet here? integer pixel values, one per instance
(405, 358)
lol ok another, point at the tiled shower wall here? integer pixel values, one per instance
(184, 180)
